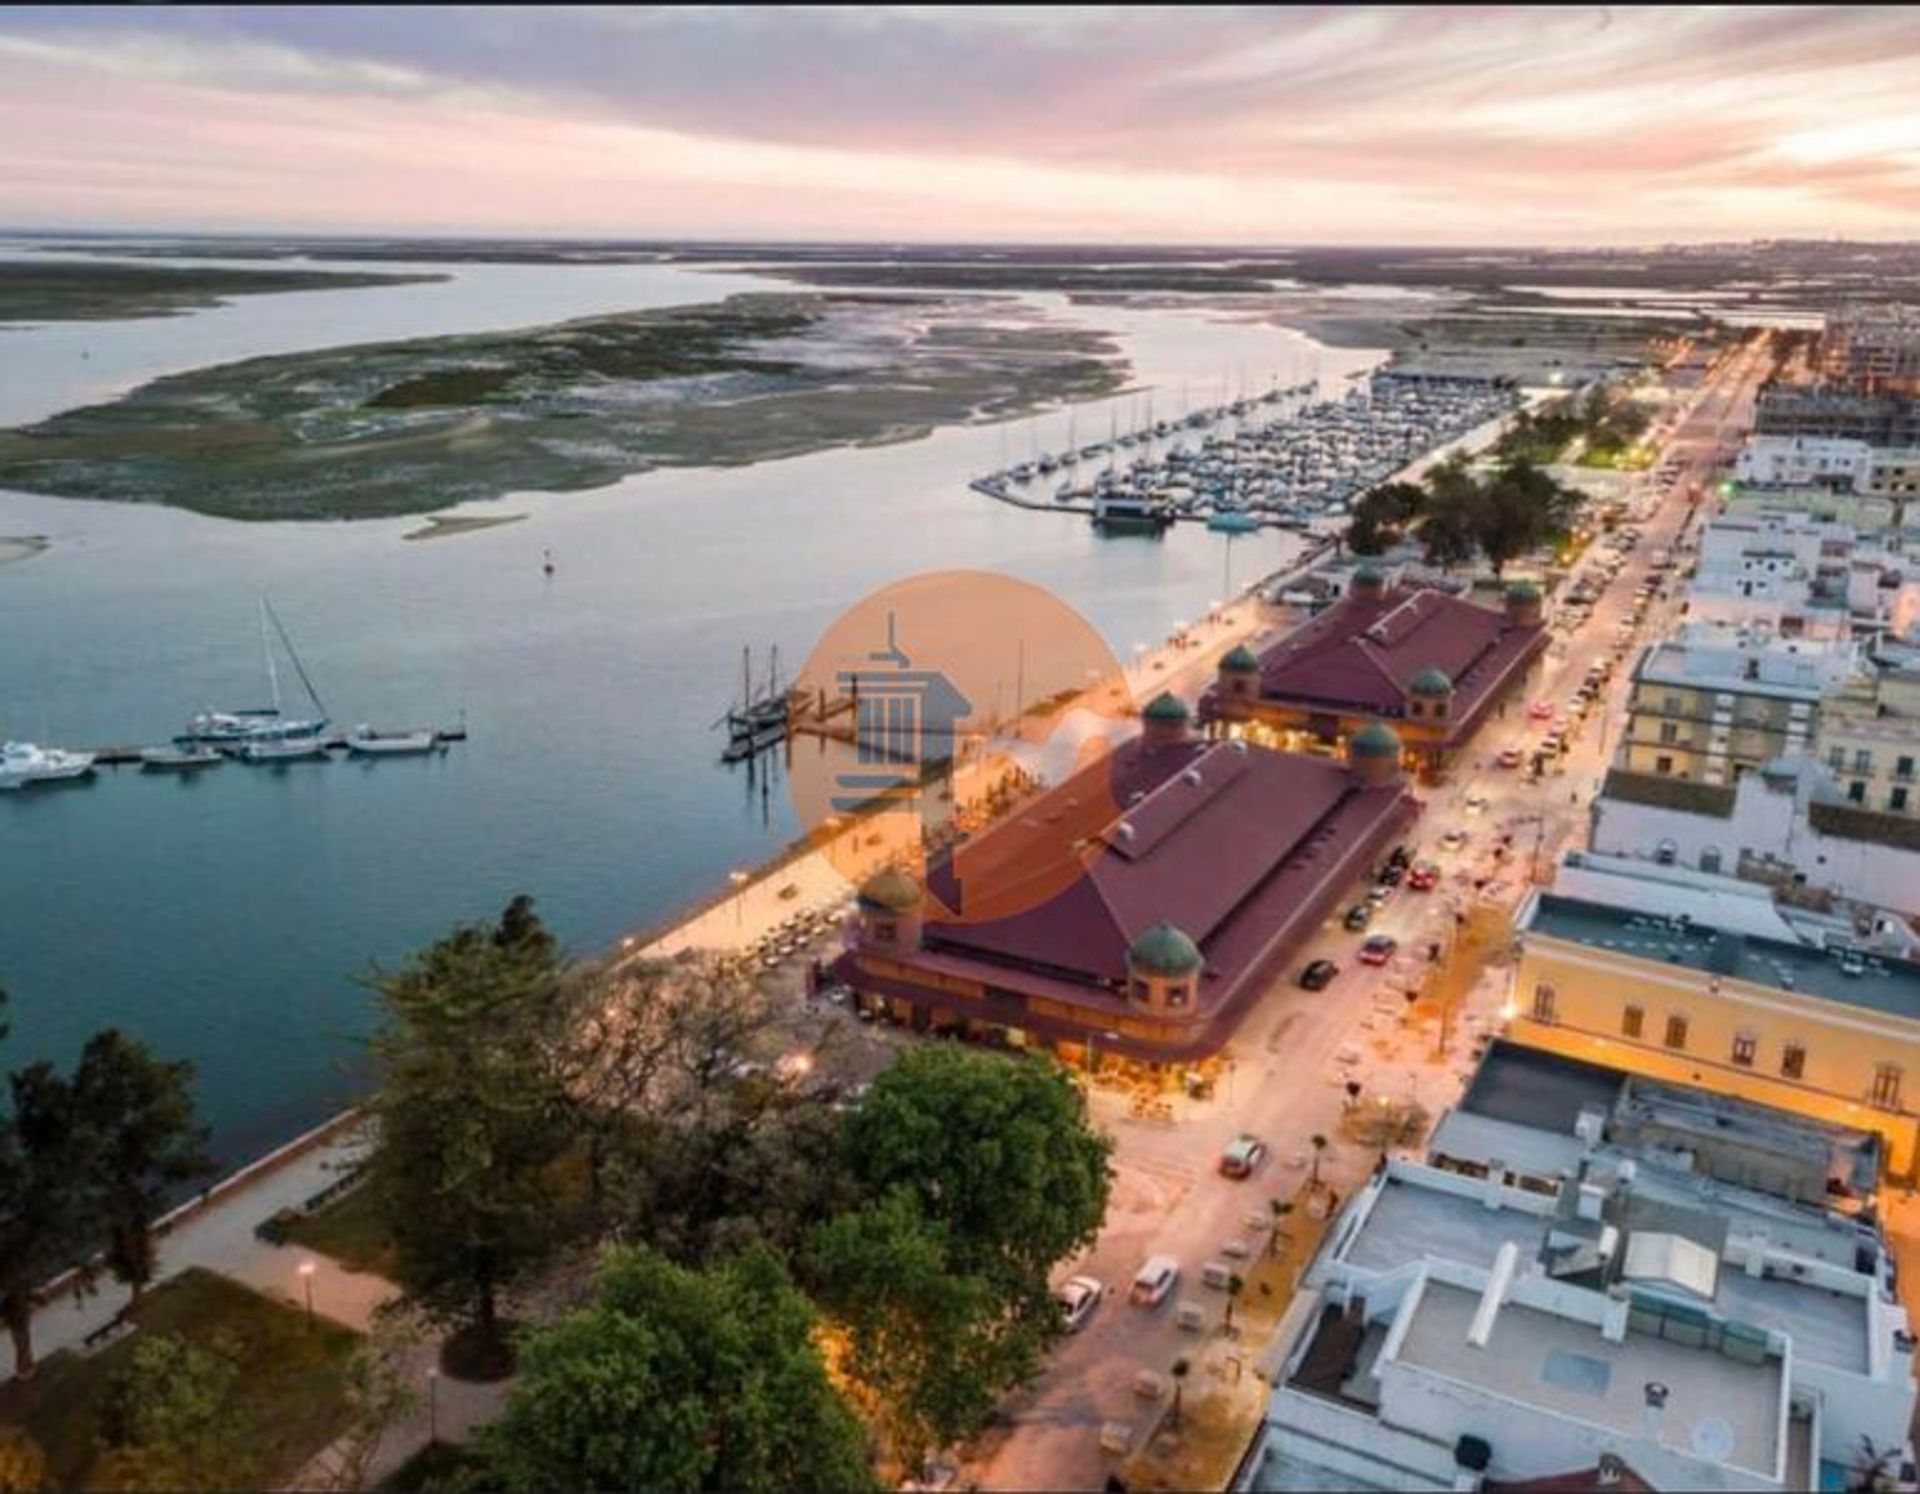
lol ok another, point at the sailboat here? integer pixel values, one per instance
(262, 733)
(767, 712)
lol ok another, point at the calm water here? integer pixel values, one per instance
(225, 918)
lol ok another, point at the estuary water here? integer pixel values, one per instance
(228, 918)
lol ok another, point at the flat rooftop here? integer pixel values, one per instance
(1878, 983)
(1717, 1407)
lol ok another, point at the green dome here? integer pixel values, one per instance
(1166, 706)
(890, 891)
(1369, 575)
(1240, 660)
(1523, 591)
(1163, 950)
(1374, 740)
(1431, 681)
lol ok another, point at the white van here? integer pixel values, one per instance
(1154, 1280)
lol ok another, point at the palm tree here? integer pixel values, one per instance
(1236, 1284)
(1180, 1368)
(1319, 1148)
(1281, 1208)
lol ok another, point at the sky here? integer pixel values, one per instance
(921, 123)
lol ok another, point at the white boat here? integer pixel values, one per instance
(22, 763)
(364, 741)
(179, 759)
(294, 749)
(234, 730)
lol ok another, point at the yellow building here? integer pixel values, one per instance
(1828, 1034)
(1706, 713)
(1869, 740)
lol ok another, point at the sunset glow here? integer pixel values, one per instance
(1556, 126)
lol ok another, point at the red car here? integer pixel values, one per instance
(1424, 877)
(1378, 949)
(1512, 757)
(1541, 710)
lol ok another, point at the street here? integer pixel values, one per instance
(1297, 1050)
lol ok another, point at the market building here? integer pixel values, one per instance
(1432, 666)
(1181, 878)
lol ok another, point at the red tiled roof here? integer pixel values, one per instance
(1241, 848)
(1359, 656)
(1575, 1481)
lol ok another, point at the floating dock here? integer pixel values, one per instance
(129, 757)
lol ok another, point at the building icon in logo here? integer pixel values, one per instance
(905, 722)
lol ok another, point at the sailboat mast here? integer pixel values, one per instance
(266, 648)
(293, 654)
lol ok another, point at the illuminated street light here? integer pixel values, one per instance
(306, 1270)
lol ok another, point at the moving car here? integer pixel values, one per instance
(1318, 975)
(1359, 916)
(1078, 1298)
(1453, 840)
(1378, 949)
(1541, 710)
(1154, 1280)
(1512, 757)
(1242, 1157)
(1424, 877)
(1476, 803)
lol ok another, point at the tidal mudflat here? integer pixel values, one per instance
(414, 426)
(61, 290)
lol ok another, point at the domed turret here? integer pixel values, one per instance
(1373, 753)
(890, 911)
(1431, 692)
(890, 892)
(1239, 678)
(1164, 950)
(1525, 604)
(1368, 581)
(1165, 720)
(1240, 660)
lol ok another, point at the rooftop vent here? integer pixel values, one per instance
(1124, 830)
(1191, 777)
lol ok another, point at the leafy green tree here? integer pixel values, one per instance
(44, 1218)
(678, 1380)
(980, 1173)
(1182, 1367)
(169, 1422)
(998, 1150)
(1522, 508)
(931, 1347)
(471, 1119)
(144, 1142)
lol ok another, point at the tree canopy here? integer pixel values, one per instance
(678, 1379)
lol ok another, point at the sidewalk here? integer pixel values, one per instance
(220, 1238)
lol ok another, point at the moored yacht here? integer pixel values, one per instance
(22, 763)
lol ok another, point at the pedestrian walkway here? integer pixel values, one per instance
(219, 1236)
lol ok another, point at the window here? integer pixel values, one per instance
(1177, 993)
(1857, 791)
(1743, 1046)
(1886, 1087)
(1793, 1061)
(1676, 1032)
(886, 931)
(1862, 760)
(1632, 1020)
(1669, 733)
(1671, 705)
(1903, 768)
(1663, 764)
(1141, 991)
(1897, 800)
(1543, 1003)
(1836, 758)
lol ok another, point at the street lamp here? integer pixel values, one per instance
(433, 1404)
(306, 1270)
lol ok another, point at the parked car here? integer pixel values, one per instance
(1154, 1280)
(1424, 877)
(1400, 856)
(1391, 873)
(1541, 710)
(1476, 803)
(1359, 916)
(1378, 949)
(1453, 840)
(1512, 757)
(1242, 1157)
(1078, 1298)
(1318, 975)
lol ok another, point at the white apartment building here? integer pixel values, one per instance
(1583, 1285)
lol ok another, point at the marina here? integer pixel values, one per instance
(1287, 460)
